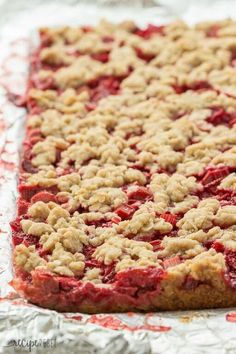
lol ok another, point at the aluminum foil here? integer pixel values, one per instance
(28, 328)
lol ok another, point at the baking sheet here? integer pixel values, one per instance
(27, 328)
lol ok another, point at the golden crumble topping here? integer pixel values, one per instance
(130, 155)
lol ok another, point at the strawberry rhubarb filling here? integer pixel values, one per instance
(127, 186)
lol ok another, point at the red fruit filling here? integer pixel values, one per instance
(42, 84)
(168, 217)
(32, 107)
(108, 39)
(22, 207)
(90, 106)
(140, 193)
(217, 245)
(171, 262)
(33, 132)
(27, 240)
(102, 57)
(220, 116)
(108, 273)
(45, 40)
(115, 220)
(226, 197)
(197, 86)
(44, 197)
(149, 237)
(144, 56)
(19, 237)
(125, 211)
(214, 175)
(132, 281)
(190, 283)
(213, 31)
(99, 223)
(233, 57)
(92, 263)
(26, 164)
(230, 275)
(15, 225)
(149, 31)
(104, 87)
(33, 136)
(28, 191)
(87, 29)
(88, 252)
(141, 278)
(230, 258)
(156, 244)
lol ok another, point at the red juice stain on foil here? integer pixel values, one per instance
(12, 295)
(107, 321)
(10, 166)
(2, 125)
(112, 322)
(231, 317)
(5, 157)
(14, 83)
(19, 41)
(3, 179)
(130, 314)
(21, 302)
(16, 99)
(77, 318)
(13, 91)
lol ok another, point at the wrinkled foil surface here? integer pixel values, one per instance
(28, 328)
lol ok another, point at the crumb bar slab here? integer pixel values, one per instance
(128, 171)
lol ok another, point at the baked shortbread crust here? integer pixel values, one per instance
(128, 170)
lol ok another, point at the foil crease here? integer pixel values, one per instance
(28, 328)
